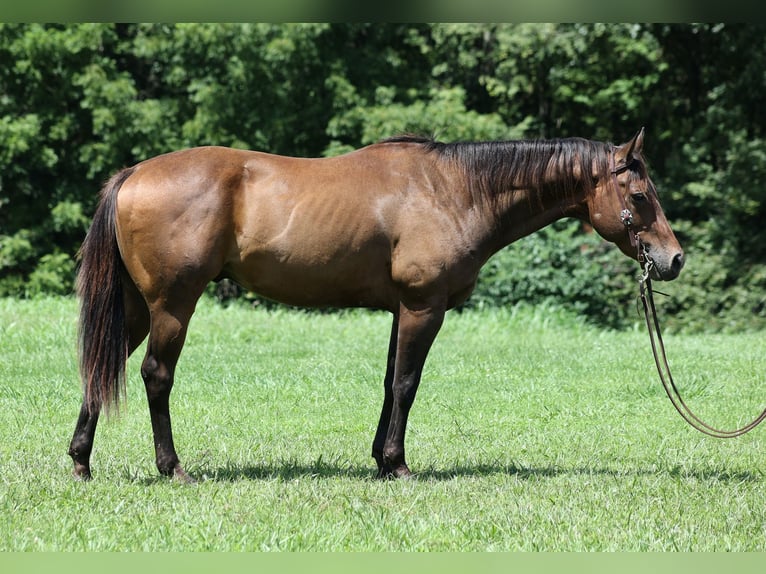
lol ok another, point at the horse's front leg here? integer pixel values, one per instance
(388, 401)
(417, 329)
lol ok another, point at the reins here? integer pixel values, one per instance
(646, 295)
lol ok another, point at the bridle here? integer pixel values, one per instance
(646, 295)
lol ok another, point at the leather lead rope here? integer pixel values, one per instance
(653, 326)
(663, 368)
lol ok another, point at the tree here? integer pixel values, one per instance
(79, 101)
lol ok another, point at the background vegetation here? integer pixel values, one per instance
(79, 101)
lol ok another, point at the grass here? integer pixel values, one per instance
(531, 431)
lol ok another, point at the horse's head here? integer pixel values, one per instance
(625, 203)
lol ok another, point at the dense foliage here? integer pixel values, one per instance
(79, 101)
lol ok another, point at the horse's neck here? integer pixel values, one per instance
(524, 207)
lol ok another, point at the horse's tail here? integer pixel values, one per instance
(102, 333)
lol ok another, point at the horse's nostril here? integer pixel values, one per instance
(678, 263)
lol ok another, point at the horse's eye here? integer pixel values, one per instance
(638, 197)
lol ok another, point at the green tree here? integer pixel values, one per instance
(44, 130)
(79, 101)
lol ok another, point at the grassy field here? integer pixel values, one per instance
(531, 431)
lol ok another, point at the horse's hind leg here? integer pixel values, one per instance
(82, 442)
(166, 339)
(137, 323)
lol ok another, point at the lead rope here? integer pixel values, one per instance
(663, 368)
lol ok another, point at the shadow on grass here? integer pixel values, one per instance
(529, 473)
(290, 470)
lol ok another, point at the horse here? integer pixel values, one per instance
(402, 225)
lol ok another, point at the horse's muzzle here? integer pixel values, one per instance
(662, 270)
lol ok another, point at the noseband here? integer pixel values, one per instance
(653, 326)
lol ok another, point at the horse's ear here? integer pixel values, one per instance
(630, 150)
(638, 142)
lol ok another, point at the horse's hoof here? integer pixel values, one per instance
(387, 472)
(180, 475)
(81, 472)
(403, 472)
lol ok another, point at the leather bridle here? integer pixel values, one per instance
(646, 295)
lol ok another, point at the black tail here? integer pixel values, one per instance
(102, 336)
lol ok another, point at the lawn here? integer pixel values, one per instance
(531, 431)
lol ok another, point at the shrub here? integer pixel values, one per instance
(564, 266)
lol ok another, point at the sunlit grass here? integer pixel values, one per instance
(531, 431)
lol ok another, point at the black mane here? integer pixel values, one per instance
(498, 166)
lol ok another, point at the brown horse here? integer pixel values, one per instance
(404, 225)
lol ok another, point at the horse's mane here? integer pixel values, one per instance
(497, 166)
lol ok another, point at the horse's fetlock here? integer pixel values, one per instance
(79, 452)
(393, 456)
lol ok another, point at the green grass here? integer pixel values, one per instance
(531, 431)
